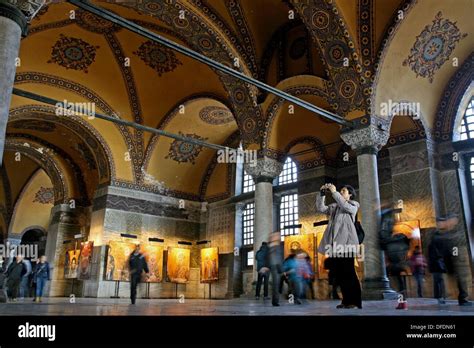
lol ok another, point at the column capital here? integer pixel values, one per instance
(368, 136)
(21, 11)
(266, 169)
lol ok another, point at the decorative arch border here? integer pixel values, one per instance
(453, 94)
(209, 40)
(406, 6)
(47, 163)
(20, 197)
(348, 86)
(103, 158)
(277, 103)
(316, 143)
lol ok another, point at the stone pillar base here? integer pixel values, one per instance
(378, 289)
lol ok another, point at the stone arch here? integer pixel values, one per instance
(98, 146)
(453, 103)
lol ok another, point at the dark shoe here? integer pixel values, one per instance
(257, 297)
(351, 306)
(275, 304)
(339, 306)
(441, 301)
(298, 301)
(465, 303)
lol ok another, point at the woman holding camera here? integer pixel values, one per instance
(340, 242)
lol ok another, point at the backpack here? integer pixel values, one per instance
(359, 230)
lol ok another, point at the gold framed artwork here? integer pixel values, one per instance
(178, 265)
(117, 267)
(209, 265)
(154, 259)
(298, 243)
(85, 260)
(71, 266)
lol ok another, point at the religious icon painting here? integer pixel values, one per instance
(209, 265)
(300, 243)
(178, 266)
(71, 266)
(85, 260)
(154, 259)
(117, 267)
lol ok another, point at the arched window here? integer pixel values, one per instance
(289, 173)
(289, 215)
(248, 223)
(467, 123)
(247, 183)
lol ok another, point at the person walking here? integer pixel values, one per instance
(448, 243)
(290, 270)
(418, 265)
(25, 280)
(340, 240)
(15, 272)
(263, 271)
(138, 265)
(41, 274)
(275, 257)
(436, 261)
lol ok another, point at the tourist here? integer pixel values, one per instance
(295, 279)
(3, 279)
(275, 257)
(15, 272)
(263, 271)
(137, 265)
(340, 240)
(284, 278)
(25, 280)
(418, 265)
(41, 274)
(453, 240)
(436, 261)
(308, 275)
(396, 247)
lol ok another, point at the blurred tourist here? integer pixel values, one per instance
(25, 280)
(275, 257)
(396, 247)
(138, 265)
(418, 265)
(263, 271)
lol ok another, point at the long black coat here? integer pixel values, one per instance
(16, 271)
(437, 253)
(137, 265)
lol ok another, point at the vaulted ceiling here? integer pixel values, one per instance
(298, 46)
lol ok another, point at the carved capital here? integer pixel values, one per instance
(28, 7)
(266, 169)
(21, 11)
(369, 139)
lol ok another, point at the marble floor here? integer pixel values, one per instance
(242, 307)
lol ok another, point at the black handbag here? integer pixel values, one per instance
(359, 230)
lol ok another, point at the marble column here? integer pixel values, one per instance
(14, 17)
(263, 174)
(65, 223)
(366, 142)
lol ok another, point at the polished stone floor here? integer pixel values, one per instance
(244, 307)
